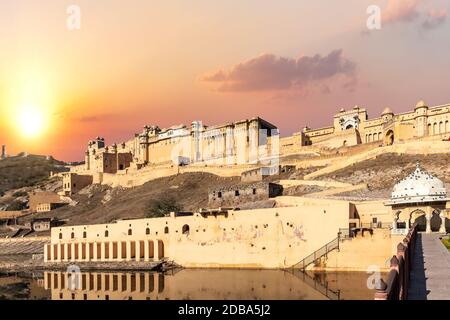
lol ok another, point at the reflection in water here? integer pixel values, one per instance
(186, 284)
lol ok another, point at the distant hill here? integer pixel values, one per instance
(24, 171)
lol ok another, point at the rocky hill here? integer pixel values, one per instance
(25, 171)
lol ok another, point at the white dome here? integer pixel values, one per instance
(419, 186)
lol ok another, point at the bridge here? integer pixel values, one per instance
(419, 271)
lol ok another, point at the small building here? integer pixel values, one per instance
(41, 224)
(419, 198)
(73, 182)
(260, 174)
(236, 195)
(44, 201)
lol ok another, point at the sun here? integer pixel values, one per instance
(30, 121)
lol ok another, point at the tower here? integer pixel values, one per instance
(3, 152)
(421, 111)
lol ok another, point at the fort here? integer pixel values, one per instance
(262, 221)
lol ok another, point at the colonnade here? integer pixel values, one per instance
(114, 251)
(111, 285)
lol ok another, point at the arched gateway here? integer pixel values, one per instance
(419, 198)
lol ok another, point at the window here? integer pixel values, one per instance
(72, 235)
(236, 193)
(219, 194)
(84, 234)
(185, 229)
(147, 231)
(130, 232)
(60, 236)
(374, 220)
(254, 190)
(106, 233)
(166, 230)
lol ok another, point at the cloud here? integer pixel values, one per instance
(400, 11)
(434, 19)
(269, 72)
(408, 11)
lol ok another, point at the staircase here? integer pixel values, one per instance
(319, 253)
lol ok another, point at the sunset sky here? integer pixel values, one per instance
(137, 62)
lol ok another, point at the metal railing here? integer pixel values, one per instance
(316, 255)
(376, 225)
(314, 282)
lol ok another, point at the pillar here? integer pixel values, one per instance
(66, 251)
(102, 251)
(119, 250)
(138, 250)
(128, 246)
(428, 217)
(442, 228)
(95, 252)
(146, 249)
(156, 250)
(72, 251)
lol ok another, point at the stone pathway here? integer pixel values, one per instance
(430, 274)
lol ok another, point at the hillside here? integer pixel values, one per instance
(20, 171)
(384, 171)
(101, 204)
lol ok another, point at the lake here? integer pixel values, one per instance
(186, 284)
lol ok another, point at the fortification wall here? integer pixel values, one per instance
(361, 253)
(261, 238)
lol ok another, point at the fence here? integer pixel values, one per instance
(396, 285)
(316, 255)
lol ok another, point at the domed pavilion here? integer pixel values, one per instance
(420, 197)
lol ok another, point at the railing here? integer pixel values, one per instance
(321, 252)
(317, 284)
(396, 285)
(376, 225)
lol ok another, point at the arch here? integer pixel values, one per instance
(130, 232)
(106, 233)
(441, 127)
(435, 128)
(418, 216)
(185, 229)
(147, 231)
(389, 138)
(435, 221)
(429, 129)
(370, 137)
(60, 235)
(447, 127)
(166, 230)
(349, 126)
(379, 136)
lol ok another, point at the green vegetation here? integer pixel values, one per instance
(18, 172)
(16, 206)
(161, 207)
(446, 242)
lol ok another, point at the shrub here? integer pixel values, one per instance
(161, 207)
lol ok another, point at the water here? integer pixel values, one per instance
(186, 284)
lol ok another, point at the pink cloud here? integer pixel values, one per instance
(269, 72)
(400, 11)
(434, 19)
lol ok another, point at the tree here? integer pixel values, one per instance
(161, 207)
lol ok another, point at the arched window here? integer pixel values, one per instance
(84, 234)
(72, 235)
(106, 233)
(166, 230)
(147, 231)
(60, 235)
(185, 229)
(130, 232)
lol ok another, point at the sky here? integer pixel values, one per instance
(291, 62)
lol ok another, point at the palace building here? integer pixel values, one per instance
(353, 127)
